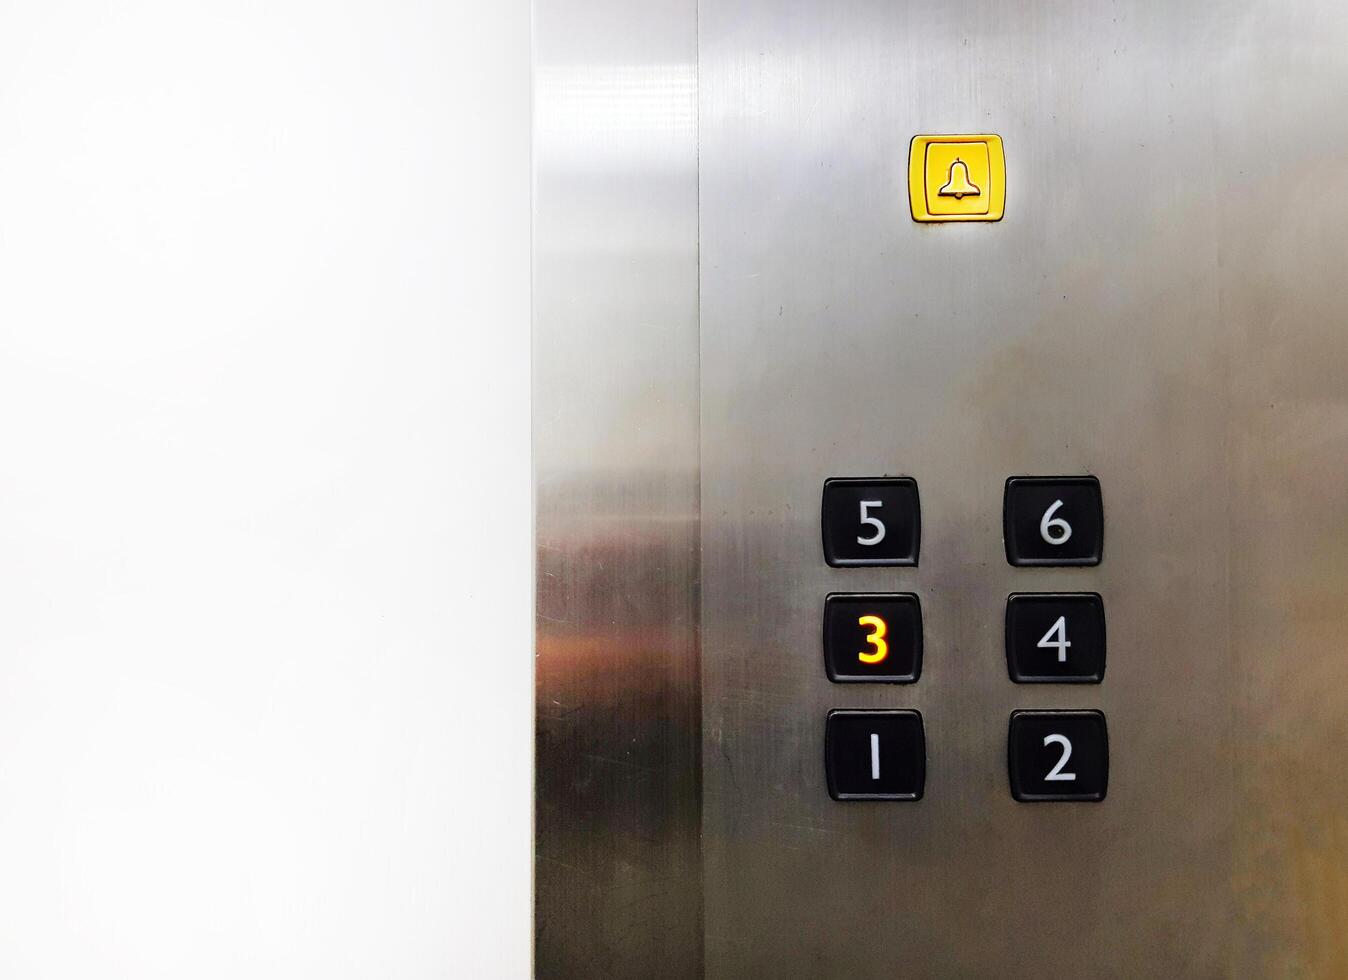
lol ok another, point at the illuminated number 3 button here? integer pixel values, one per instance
(873, 637)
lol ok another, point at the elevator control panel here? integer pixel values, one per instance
(1051, 638)
(845, 668)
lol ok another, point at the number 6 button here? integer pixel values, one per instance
(1053, 520)
(1058, 755)
(871, 522)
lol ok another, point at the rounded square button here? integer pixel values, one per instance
(875, 755)
(873, 637)
(871, 521)
(1053, 520)
(957, 177)
(1055, 638)
(1058, 756)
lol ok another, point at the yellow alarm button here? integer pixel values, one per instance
(957, 178)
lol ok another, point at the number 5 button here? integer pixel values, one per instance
(1053, 520)
(1058, 755)
(871, 522)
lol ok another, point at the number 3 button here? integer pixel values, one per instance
(1058, 755)
(873, 638)
(1055, 520)
(871, 522)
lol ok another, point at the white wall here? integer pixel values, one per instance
(264, 489)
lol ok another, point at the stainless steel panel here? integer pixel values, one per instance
(1161, 307)
(618, 865)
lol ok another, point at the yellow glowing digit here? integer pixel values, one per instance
(876, 639)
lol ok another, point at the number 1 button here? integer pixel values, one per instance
(875, 755)
(871, 522)
(1053, 520)
(1058, 755)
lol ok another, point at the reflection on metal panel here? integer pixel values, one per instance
(618, 865)
(1161, 307)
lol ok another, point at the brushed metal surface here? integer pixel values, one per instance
(617, 859)
(1163, 307)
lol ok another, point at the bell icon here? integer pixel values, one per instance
(959, 185)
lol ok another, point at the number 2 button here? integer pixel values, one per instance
(1058, 755)
(871, 522)
(1055, 520)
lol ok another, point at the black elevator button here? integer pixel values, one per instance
(1058, 755)
(871, 521)
(1055, 520)
(873, 637)
(1055, 638)
(875, 755)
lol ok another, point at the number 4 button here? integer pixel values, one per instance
(1055, 638)
(1054, 520)
(1058, 755)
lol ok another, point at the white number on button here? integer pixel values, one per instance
(1056, 774)
(1052, 529)
(1056, 639)
(874, 522)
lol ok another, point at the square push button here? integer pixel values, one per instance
(957, 178)
(872, 637)
(1055, 638)
(1058, 755)
(875, 755)
(871, 522)
(1053, 520)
